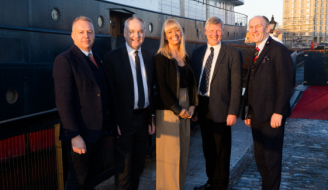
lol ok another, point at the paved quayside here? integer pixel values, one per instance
(241, 154)
(305, 158)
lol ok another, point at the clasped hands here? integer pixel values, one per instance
(184, 114)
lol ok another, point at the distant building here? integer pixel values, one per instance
(305, 21)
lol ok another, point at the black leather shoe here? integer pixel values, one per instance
(206, 186)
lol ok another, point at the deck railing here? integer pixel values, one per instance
(200, 10)
(32, 157)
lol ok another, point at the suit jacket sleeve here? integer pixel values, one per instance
(109, 68)
(152, 91)
(284, 75)
(166, 94)
(65, 91)
(193, 66)
(236, 83)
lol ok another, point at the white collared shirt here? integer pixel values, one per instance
(215, 57)
(85, 52)
(134, 75)
(261, 46)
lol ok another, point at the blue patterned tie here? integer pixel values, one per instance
(206, 73)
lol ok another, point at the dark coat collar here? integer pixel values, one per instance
(263, 53)
(84, 62)
(219, 59)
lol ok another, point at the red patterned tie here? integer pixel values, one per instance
(256, 55)
(92, 59)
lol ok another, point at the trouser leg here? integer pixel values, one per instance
(130, 152)
(139, 149)
(209, 147)
(268, 143)
(82, 167)
(222, 137)
(122, 160)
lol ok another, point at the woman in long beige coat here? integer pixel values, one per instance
(175, 104)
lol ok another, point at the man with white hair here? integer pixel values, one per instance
(269, 86)
(131, 69)
(217, 68)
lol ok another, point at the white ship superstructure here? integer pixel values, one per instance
(194, 9)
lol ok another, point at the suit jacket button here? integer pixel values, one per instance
(100, 111)
(252, 69)
(98, 94)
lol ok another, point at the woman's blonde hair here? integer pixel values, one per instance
(164, 45)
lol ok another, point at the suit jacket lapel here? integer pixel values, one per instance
(219, 60)
(199, 63)
(82, 60)
(262, 54)
(147, 63)
(250, 64)
(127, 66)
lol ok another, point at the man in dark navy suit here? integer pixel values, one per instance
(131, 69)
(217, 68)
(269, 86)
(85, 101)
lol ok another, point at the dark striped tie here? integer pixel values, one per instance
(204, 83)
(256, 55)
(141, 93)
(92, 59)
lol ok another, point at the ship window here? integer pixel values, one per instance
(228, 34)
(11, 96)
(150, 27)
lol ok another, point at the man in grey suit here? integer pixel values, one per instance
(217, 68)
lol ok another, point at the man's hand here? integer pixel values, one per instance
(184, 114)
(231, 120)
(191, 111)
(248, 122)
(118, 131)
(276, 120)
(78, 145)
(195, 118)
(151, 129)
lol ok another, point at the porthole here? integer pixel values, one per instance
(55, 14)
(100, 21)
(150, 27)
(11, 96)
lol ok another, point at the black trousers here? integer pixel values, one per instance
(268, 143)
(130, 152)
(216, 139)
(83, 168)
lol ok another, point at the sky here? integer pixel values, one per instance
(262, 7)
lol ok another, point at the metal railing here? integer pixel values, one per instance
(32, 157)
(200, 10)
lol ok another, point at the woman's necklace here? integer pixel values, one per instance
(177, 57)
